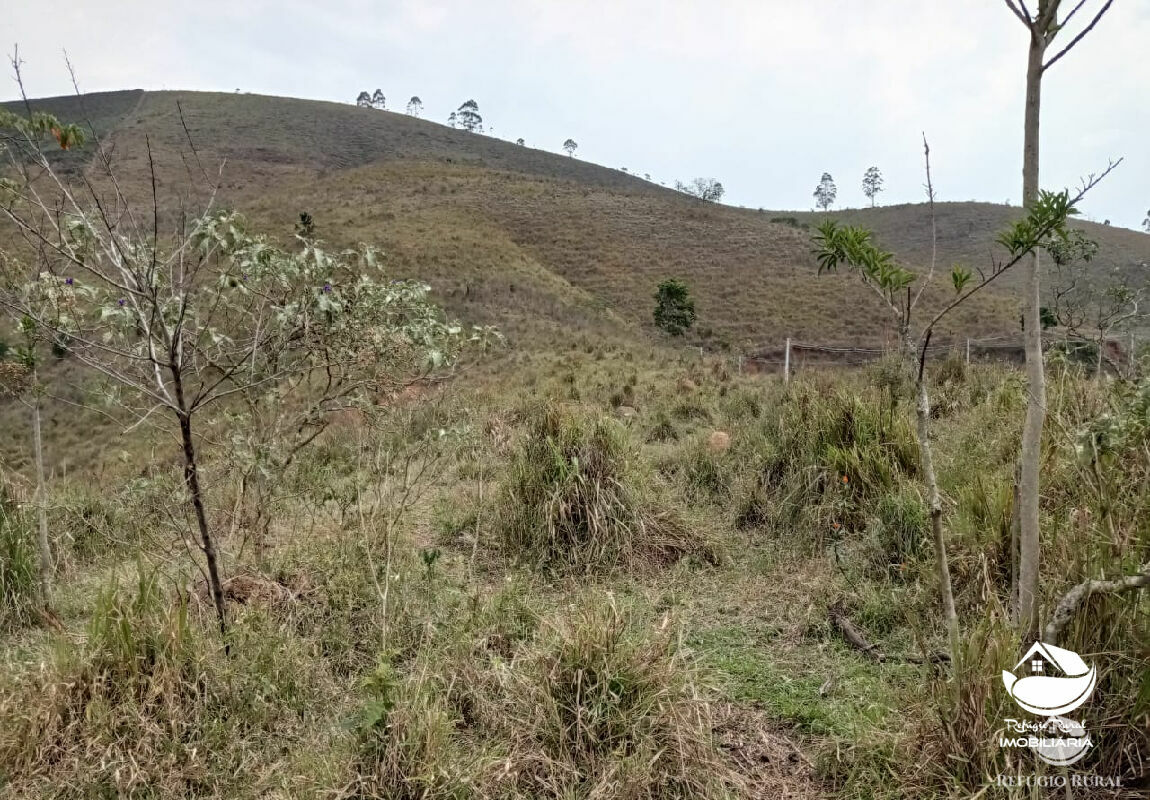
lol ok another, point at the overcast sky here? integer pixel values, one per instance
(764, 95)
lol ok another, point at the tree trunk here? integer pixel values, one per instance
(192, 481)
(1035, 376)
(934, 501)
(47, 569)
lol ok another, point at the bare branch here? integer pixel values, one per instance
(1080, 36)
(933, 230)
(1069, 604)
(1066, 20)
(1020, 11)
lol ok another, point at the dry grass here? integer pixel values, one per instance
(593, 704)
(541, 242)
(500, 683)
(578, 501)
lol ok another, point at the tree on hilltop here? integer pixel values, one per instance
(467, 117)
(708, 190)
(826, 192)
(872, 184)
(414, 106)
(378, 100)
(363, 100)
(570, 146)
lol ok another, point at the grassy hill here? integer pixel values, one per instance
(537, 242)
(545, 246)
(596, 564)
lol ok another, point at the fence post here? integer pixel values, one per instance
(967, 349)
(787, 364)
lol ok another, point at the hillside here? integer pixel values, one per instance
(329, 557)
(538, 242)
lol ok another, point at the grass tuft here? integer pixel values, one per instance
(578, 500)
(19, 588)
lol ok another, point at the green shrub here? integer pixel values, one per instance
(405, 747)
(578, 500)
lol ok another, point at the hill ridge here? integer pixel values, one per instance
(460, 210)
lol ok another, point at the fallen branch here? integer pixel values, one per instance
(859, 642)
(1070, 603)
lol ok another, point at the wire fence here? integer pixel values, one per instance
(788, 356)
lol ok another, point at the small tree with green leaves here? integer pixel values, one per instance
(305, 228)
(570, 146)
(826, 192)
(1091, 307)
(674, 308)
(209, 318)
(872, 184)
(854, 248)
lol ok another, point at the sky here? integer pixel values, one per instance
(764, 95)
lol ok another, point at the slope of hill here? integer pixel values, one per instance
(465, 588)
(537, 242)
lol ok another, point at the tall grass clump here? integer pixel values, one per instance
(902, 529)
(602, 706)
(148, 705)
(593, 702)
(822, 460)
(578, 499)
(19, 576)
(406, 745)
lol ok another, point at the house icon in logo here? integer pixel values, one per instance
(1049, 681)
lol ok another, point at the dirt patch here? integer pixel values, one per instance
(773, 765)
(248, 588)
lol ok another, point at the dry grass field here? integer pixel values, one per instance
(536, 239)
(591, 562)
